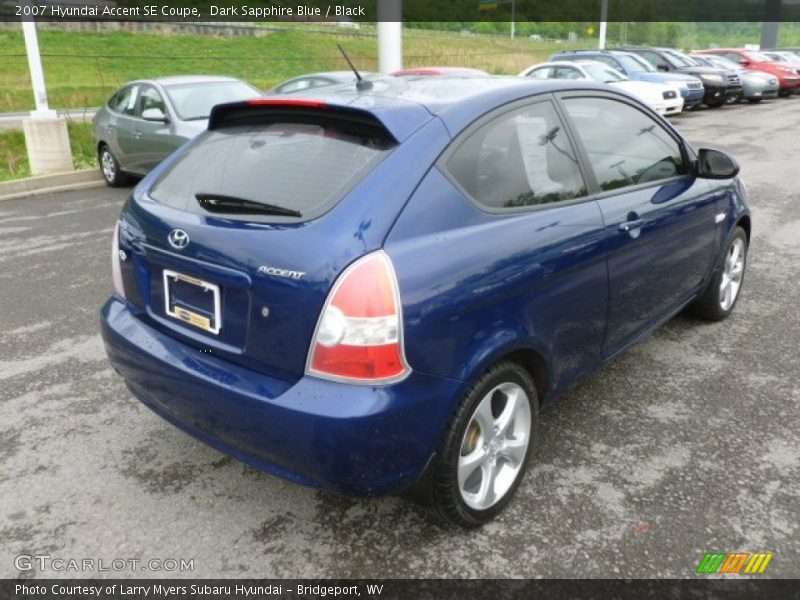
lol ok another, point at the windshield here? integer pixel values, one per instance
(630, 64)
(681, 59)
(603, 73)
(292, 167)
(194, 101)
(758, 57)
(723, 63)
(643, 63)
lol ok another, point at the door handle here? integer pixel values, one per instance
(137, 134)
(629, 226)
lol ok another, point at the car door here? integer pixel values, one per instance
(528, 246)
(120, 127)
(153, 140)
(660, 219)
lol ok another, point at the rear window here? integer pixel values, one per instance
(300, 168)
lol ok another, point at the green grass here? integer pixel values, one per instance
(83, 68)
(14, 158)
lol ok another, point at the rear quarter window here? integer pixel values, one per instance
(302, 167)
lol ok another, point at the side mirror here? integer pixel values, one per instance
(662, 67)
(154, 114)
(744, 62)
(716, 164)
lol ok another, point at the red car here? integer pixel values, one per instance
(788, 74)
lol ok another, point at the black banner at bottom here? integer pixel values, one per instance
(391, 589)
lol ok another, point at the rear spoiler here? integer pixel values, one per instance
(294, 109)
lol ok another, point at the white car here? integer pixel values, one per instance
(663, 98)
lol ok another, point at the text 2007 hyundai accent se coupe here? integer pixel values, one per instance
(376, 290)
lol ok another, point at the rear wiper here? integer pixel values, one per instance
(218, 203)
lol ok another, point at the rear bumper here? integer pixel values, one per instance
(355, 439)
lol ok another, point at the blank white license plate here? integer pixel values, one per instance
(192, 301)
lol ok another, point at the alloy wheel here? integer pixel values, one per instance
(108, 166)
(732, 275)
(494, 446)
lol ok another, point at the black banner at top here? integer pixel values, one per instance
(401, 10)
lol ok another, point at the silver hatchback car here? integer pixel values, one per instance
(146, 120)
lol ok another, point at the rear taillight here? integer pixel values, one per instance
(116, 271)
(359, 337)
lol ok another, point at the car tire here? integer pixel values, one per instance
(109, 167)
(716, 104)
(754, 100)
(471, 491)
(724, 289)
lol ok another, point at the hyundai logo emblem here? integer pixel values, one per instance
(178, 239)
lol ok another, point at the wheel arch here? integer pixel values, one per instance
(744, 223)
(525, 352)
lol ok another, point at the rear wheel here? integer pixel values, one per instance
(720, 297)
(109, 167)
(486, 449)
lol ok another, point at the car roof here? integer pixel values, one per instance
(343, 76)
(439, 71)
(569, 63)
(404, 104)
(179, 79)
(598, 51)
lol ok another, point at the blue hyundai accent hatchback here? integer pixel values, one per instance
(376, 290)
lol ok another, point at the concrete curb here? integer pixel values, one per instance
(45, 184)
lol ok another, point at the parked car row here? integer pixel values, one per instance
(723, 75)
(146, 120)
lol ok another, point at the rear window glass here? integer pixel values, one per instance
(303, 168)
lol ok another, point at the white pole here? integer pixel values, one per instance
(513, 18)
(390, 35)
(603, 24)
(37, 74)
(390, 46)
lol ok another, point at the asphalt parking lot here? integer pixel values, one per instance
(688, 443)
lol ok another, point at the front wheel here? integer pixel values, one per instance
(720, 297)
(486, 449)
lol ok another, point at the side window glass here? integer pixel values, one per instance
(655, 59)
(543, 73)
(125, 100)
(150, 98)
(568, 73)
(625, 146)
(521, 158)
(296, 86)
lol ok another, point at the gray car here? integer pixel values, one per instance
(756, 85)
(147, 120)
